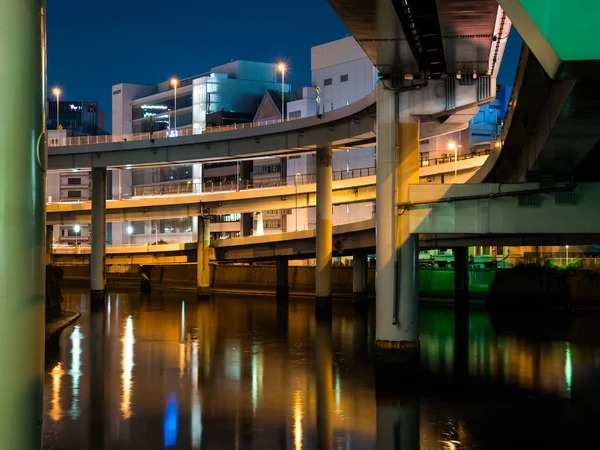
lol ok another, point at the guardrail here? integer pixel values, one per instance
(450, 158)
(227, 186)
(163, 134)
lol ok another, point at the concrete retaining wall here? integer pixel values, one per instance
(123, 276)
(535, 288)
(259, 278)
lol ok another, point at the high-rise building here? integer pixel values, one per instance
(226, 94)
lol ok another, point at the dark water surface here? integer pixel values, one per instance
(235, 372)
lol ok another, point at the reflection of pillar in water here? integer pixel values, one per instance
(324, 384)
(461, 340)
(97, 370)
(398, 423)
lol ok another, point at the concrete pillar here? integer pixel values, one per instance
(397, 317)
(461, 273)
(98, 256)
(49, 240)
(283, 289)
(22, 221)
(203, 266)
(324, 228)
(359, 276)
(260, 226)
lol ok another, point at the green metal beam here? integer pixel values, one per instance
(22, 221)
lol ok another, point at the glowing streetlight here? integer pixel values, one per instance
(452, 147)
(129, 233)
(174, 83)
(567, 259)
(57, 92)
(77, 230)
(281, 67)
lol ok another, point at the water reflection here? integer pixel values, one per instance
(75, 371)
(57, 373)
(238, 372)
(127, 367)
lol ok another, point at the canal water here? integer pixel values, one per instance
(164, 371)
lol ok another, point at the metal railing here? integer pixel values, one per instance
(450, 158)
(259, 183)
(163, 134)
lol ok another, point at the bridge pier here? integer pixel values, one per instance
(397, 331)
(203, 252)
(98, 256)
(324, 228)
(283, 289)
(461, 274)
(359, 276)
(22, 221)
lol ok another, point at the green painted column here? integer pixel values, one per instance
(22, 221)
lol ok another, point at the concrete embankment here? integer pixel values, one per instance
(434, 283)
(535, 288)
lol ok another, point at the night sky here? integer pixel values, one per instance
(91, 48)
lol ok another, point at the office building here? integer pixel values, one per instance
(225, 95)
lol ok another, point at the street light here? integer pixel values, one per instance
(56, 92)
(452, 147)
(174, 83)
(76, 229)
(281, 67)
(129, 233)
(567, 259)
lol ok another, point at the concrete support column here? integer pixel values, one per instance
(260, 225)
(22, 221)
(283, 288)
(461, 273)
(359, 276)
(324, 227)
(49, 239)
(203, 266)
(98, 256)
(397, 331)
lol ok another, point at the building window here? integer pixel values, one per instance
(294, 157)
(272, 223)
(76, 181)
(74, 194)
(344, 78)
(295, 114)
(269, 169)
(328, 81)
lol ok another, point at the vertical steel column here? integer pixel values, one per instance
(22, 220)
(324, 227)
(203, 266)
(283, 288)
(98, 257)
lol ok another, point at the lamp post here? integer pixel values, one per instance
(281, 68)
(76, 229)
(452, 147)
(174, 82)
(129, 233)
(56, 92)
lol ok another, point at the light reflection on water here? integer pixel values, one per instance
(244, 373)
